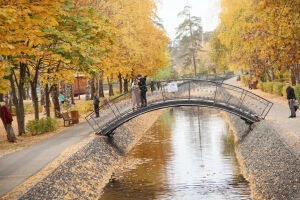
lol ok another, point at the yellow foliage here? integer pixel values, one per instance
(260, 35)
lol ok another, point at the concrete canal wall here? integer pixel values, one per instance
(84, 174)
(270, 166)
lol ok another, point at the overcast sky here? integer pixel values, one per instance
(208, 10)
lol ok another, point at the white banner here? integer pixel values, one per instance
(172, 87)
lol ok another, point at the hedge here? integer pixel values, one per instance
(268, 87)
(260, 86)
(277, 88)
(44, 125)
(297, 91)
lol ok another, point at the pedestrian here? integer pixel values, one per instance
(44, 112)
(158, 84)
(143, 89)
(290, 93)
(61, 100)
(135, 95)
(96, 102)
(7, 120)
(152, 87)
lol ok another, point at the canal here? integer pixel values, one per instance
(187, 154)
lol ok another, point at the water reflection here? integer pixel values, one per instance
(187, 154)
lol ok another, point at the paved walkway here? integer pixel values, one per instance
(16, 167)
(279, 114)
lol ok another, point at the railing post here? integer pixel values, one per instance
(242, 100)
(163, 92)
(189, 89)
(112, 110)
(216, 93)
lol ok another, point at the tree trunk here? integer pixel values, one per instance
(101, 91)
(47, 99)
(293, 76)
(1, 97)
(88, 90)
(68, 96)
(42, 96)
(18, 101)
(72, 95)
(110, 88)
(93, 89)
(7, 100)
(35, 100)
(125, 85)
(55, 101)
(120, 84)
(97, 87)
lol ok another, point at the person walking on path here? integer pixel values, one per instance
(96, 102)
(61, 100)
(7, 120)
(143, 88)
(290, 93)
(135, 95)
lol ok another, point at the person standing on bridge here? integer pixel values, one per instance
(290, 93)
(135, 95)
(143, 88)
(96, 102)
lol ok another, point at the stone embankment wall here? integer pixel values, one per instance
(84, 174)
(270, 166)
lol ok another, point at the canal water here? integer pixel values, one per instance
(187, 154)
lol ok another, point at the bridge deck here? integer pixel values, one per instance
(184, 92)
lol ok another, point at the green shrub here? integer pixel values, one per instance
(277, 88)
(260, 86)
(44, 125)
(268, 87)
(297, 91)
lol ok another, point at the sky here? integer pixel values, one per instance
(208, 10)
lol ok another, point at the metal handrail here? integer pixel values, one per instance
(219, 91)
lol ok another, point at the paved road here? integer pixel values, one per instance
(16, 167)
(279, 114)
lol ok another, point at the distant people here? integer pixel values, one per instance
(135, 95)
(44, 112)
(143, 89)
(158, 84)
(152, 87)
(290, 93)
(7, 122)
(96, 102)
(61, 100)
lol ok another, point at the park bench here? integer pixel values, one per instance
(67, 118)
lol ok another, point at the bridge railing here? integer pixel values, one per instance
(220, 94)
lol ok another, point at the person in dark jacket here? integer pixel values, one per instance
(143, 88)
(96, 102)
(290, 94)
(7, 119)
(152, 87)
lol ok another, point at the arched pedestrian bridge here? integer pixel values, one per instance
(185, 92)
